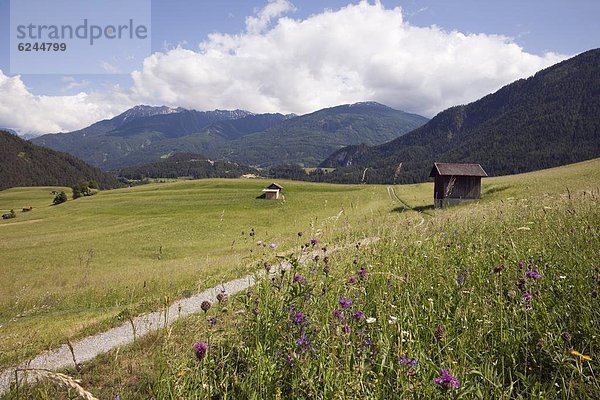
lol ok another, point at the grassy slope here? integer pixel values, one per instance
(495, 347)
(71, 269)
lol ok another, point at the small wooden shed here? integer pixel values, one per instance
(455, 183)
(272, 192)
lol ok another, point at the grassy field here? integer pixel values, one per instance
(498, 293)
(73, 269)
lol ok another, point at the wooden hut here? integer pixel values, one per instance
(455, 183)
(272, 192)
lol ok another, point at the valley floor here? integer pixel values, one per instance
(499, 293)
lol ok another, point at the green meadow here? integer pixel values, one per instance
(76, 268)
(492, 299)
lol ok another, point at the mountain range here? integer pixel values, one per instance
(144, 134)
(549, 119)
(22, 163)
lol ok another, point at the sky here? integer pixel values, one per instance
(298, 56)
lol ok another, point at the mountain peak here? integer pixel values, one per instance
(369, 104)
(143, 110)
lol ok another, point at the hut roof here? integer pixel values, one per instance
(275, 186)
(445, 169)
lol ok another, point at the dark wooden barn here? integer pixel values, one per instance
(272, 192)
(455, 183)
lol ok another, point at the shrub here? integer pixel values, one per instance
(83, 188)
(60, 197)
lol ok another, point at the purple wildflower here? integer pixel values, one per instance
(527, 297)
(201, 349)
(446, 380)
(299, 279)
(367, 342)
(298, 318)
(303, 342)
(273, 246)
(521, 284)
(410, 361)
(533, 275)
(352, 279)
(345, 302)
(358, 315)
(521, 264)
(338, 314)
(362, 272)
(289, 359)
(346, 329)
(314, 242)
(259, 243)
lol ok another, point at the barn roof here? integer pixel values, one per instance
(275, 185)
(446, 169)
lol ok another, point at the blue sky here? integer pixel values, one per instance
(546, 31)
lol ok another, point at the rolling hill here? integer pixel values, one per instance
(547, 120)
(25, 164)
(145, 134)
(186, 164)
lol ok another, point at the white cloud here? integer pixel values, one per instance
(280, 64)
(360, 52)
(73, 84)
(275, 8)
(28, 113)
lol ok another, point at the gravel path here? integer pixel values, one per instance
(88, 348)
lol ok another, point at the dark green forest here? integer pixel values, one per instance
(22, 163)
(186, 164)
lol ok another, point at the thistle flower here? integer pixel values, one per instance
(273, 246)
(533, 275)
(304, 343)
(358, 315)
(498, 270)
(440, 333)
(362, 272)
(201, 349)
(298, 318)
(299, 279)
(527, 297)
(446, 380)
(345, 302)
(314, 242)
(205, 306)
(222, 297)
(338, 314)
(352, 279)
(521, 264)
(289, 359)
(409, 361)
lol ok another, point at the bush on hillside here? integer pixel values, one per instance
(59, 197)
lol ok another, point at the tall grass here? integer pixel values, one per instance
(503, 296)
